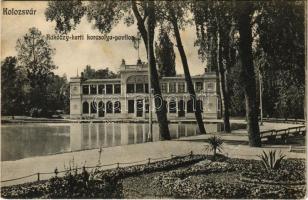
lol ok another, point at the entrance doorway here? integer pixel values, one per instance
(181, 107)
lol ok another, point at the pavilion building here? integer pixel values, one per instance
(127, 97)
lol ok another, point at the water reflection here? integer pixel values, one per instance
(28, 140)
(94, 135)
(22, 141)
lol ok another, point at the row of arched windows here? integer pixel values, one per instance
(190, 106)
(115, 107)
(109, 107)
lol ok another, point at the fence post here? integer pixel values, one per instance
(118, 165)
(149, 160)
(38, 176)
(171, 155)
(191, 153)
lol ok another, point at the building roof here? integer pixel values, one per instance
(102, 80)
(182, 76)
(143, 67)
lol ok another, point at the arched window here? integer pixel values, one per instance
(85, 108)
(117, 107)
(172, 106)
(101, 106)
(190, 106)
(139, 107)
(93, 107)
(109, 107)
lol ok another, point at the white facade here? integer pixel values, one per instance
(127, 97)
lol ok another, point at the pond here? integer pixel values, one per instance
(38, 139)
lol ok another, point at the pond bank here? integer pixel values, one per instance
(47, 120)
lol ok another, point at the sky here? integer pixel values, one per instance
(73, 56)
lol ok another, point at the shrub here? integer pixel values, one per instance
(270, 161)
(215, 143)
(84, 185)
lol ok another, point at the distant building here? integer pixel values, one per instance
(127, 97)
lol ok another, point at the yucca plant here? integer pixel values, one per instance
(215, 144)
(271, 160)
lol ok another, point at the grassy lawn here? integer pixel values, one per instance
(145, 186)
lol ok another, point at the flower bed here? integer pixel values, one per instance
(208, 180)
(152, 167)
(290, 173)
(96, 184)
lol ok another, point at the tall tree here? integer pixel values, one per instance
(213, 23)
(12, 88)
(223, 80)
(237, 96)
(34, 56)
(244, 14)
(280, 56)
(214, 15)
(58, 94)
(165, 55)
(67, 15)
(173, 14)
(161, 111)
(224, 31)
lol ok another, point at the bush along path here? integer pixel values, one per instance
(193, 176)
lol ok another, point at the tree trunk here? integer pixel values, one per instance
(224, 93)
(188, 80)
(227, 100)
(248, 74)
(160, 108)
(306, 74)
(213, 65)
